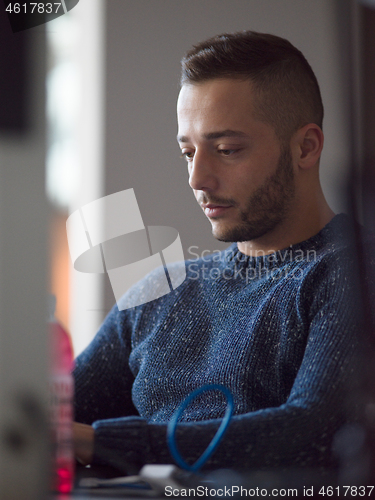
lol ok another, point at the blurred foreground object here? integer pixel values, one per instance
(23, 257)
(61, 405)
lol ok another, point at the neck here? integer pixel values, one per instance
(306, 218)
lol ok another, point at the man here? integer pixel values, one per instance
(269, 318)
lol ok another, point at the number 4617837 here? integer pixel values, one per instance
(33, 8)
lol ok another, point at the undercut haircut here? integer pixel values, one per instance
(287, 94)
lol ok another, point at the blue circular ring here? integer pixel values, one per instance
(172, 425)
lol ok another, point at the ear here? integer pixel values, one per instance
(308, 144)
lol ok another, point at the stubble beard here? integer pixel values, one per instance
(267, 207)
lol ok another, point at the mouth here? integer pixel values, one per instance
(213, 211)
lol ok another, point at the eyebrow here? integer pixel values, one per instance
(215, 135)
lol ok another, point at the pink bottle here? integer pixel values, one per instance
(61, 405)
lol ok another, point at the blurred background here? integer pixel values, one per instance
(88, 108)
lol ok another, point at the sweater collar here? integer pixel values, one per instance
(334, 234)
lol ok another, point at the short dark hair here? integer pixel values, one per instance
(287, 91)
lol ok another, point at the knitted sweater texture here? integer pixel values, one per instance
(280, 331)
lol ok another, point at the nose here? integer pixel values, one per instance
(202, 175)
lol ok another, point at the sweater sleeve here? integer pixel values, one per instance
(298, 433)
(102, 376)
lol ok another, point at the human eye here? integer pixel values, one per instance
(228, 151)
(187, 154)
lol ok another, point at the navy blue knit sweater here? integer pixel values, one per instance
(280, 331)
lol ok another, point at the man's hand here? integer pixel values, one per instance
(83, 442)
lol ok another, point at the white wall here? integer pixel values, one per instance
(86, 298)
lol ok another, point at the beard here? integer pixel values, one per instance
(266, 208)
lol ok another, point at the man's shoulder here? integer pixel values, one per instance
(335, 242)
(154, 285)
(172, 278)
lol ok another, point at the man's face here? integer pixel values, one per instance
(239, 172)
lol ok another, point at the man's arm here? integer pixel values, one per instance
(83, 442)
(100, 391)
(297, 433)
